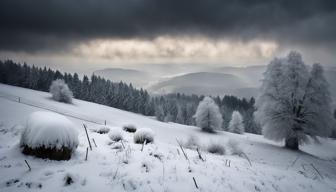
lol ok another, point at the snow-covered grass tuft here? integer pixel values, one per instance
(102, 129)
(129, 128)
(144, 134)
(49, 135)
(234, 147)
(192, 142)
(216, 147)
(116, 134)
(60, 91)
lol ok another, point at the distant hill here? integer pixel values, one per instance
(205, 83)
(251, 74)
(137, 78)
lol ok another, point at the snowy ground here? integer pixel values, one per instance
(161, 166)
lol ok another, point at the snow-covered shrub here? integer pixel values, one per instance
(234, 147)
(60, 91)
(192, 142)
(129, 128)
(216, 147)
(208, 116)
(116, 134)
(236, 124)
(144, 134)
(102, 129)
(49, 135)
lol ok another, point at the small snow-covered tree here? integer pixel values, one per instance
(236, 124)
(60, 91)
(208, 117)
(294, 104)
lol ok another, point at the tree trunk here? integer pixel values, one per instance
(292, 143)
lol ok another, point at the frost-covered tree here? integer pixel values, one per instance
(236, 124)
(208, 117)
(60, 91)
(294, 103)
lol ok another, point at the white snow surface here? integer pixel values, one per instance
(161, 166)
(49, 130)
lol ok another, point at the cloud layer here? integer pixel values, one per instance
(56, 25)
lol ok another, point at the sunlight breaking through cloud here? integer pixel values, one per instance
(167, 47)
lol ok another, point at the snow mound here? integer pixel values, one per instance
(115, 134)
(49, 130)
(144, 134)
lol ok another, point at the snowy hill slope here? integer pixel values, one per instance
(160, 166)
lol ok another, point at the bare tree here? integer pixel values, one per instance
(294, 103)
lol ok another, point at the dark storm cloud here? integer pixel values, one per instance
(55, 24)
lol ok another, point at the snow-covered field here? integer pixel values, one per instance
(161, 166)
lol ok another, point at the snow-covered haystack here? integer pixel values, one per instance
(49, 135)
(129, 128)
(116, 134)
(144, 134)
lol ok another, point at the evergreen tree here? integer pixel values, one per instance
(208, 117)
(236, 124)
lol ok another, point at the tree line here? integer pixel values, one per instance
(179, 108)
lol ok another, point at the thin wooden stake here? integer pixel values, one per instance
(316, 170)
(195, 182)
(87, 151)
(144, 143)
(105, 122)
(227, 162)
(247, 158)
(28, 165)
(94, 142)
(199, 154)
(122, 143)
(185, 155)
(87, 135)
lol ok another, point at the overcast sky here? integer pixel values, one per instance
(91, 34)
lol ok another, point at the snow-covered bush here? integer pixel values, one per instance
(216, 147)
(129, 128)
(60, 91)
(234, 147)
(208, 116)
(49, 135)
(116, 134)
(144, 134)
(192, 142)
(236, 124)
(294, 104)
(102, 129)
